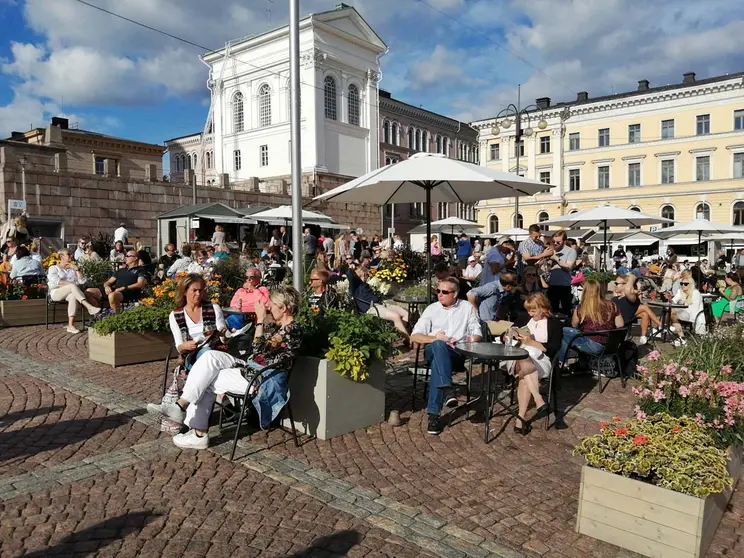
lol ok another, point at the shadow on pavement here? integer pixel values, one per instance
(7, 420)
(99, 535)
(338, 544)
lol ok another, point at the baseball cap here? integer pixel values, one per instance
(471, 259)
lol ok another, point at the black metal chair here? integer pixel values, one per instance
(552, 399)
(611, 348)
(244, 399)
(53, 304)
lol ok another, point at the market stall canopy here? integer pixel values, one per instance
(218, 212)
(606, 216)
(638, 238)
(282, 215)
(699, 227)
(515, 233)
(450, 225)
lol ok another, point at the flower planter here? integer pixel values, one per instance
(325, 404)
(647, 519)
(26, 312)
(119, 349)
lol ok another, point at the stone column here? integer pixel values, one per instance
(556, 175)
(371, 109)
(506, 153)
(531, 145)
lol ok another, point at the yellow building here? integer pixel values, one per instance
(675, 151)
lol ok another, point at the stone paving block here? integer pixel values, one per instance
(295, 464)
(396, 516)
(313, 491)
(427, 530)
(370, 506)
(500, 550)
(431, 520)
(389, 525)
(365, 493)
(319, 474)
(465, 547)
(82, 472)
(435, 547)
(280, 478)
(341, 494)
(348, 508)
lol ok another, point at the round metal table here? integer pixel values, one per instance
(492, 354)
(413, 303)
(666, 318)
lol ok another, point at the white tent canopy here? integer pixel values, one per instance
(283, 214)
(514, 233)
(450, 225)
(700, 227)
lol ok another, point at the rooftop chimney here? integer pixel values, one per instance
(543, 102)
(582, 97)
(61, 123)
(643, 85)
(688, 78)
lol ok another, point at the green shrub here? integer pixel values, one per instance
(231, 271)
(96, 272)
(601, 277)
(140, 319)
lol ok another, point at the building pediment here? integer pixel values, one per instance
(347, 21)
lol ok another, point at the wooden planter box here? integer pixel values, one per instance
(647, 519)
(119, 349)
(325, 404)
(26, 312)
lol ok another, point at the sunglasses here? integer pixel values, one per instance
(684, 284)
(252, 277)
(530, 274)
(444, 291)
(131, 255)
(508, 284)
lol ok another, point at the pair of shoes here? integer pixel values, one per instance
(435, 425)
(191, 440)
(72, 329)
(525, 429)
(642, 340)
(541, 412)
(170, 410)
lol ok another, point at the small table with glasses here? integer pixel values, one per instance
(414, 302)
(492, 354)
(666, 318)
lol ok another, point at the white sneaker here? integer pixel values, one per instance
(72, 330)
(93, 310)
(191, 441)
(170, 410)
(642, 340)
(679, 342)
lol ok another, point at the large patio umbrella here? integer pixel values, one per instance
(284, 213)
(432, 178)
(449, 225)
(605, 216)
(728, 237)
(515, 233)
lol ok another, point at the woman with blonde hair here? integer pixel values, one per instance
(218, 237)
(630, 307)
(542, 344)
(64, 281)
(691, 297)
(595, 313)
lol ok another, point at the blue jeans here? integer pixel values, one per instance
(582, 344)
(442, 359)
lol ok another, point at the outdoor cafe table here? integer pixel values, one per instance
(492, 354)
(666, 317)
(413, 302)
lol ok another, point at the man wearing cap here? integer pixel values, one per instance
(473, 270)
(121, 234)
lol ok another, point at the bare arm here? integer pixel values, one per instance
(575, 318)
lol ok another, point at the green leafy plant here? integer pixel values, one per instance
(140, 319)
(96, 272)
(102, 243)
(16, 290)
(711, 352)
(601, 277)
(231, 271)
(670, 452)
(331, 333)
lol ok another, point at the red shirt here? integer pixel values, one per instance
(246, 301)
(609, 313)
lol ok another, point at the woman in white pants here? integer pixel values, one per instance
(63, 281)
(217, 372)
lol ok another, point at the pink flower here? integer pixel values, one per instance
(640, 415)
(684, 391)
(726, 370)
(658, 395)
(653, 355)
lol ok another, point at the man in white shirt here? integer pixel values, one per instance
(441, 326)
(181, 265)
(121, 234)
(473, 270)
(80, 250)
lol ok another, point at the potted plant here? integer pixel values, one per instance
(657, 486)
(22, 305)
(338, 385)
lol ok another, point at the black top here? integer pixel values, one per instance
(168, 261)
(145, 257)
(626, 308)
(555, 337)
(362, 293)
(511, 308)
(126, 276)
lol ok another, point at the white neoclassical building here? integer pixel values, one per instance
(247, 136)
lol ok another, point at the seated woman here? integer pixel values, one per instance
(367, 302)
(217, 372)
(670, 275)
(629, 304)
(247, 297)
(118, 253)
(595, 313)
(691, 297)
(26, 266)
(530, 283)
(731, 293)
(543, 344)
(221, 252)
(64, 281)
(89, 253)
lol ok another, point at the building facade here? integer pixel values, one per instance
(406, 129)
(676, 151)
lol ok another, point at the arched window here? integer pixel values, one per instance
(738, 214)
(493, 224)
(667, 212)
(238, 116)
(394, 134)
(264, 106)
(193, 164)
(520, 221)
(330, 98)
(446, 146)
(638, 209)
(386, 132)
(208, 159)
(425, 141)
(353, 105)
(702, 211)
(176, 163)
(418, 140)
(411, 141)
(439, 143)
(543, 216)
(186, 162)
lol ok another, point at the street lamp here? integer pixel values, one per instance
(519, 114)
(23, 161)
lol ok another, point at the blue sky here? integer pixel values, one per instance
(463, 58)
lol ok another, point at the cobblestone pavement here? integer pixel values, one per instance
(83, 472)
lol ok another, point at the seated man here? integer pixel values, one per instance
(441, 326)
(182, 264)
(487, 299)
(320, 297)
(247, 297)
(127, 283)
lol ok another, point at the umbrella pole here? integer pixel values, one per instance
(699, 273)
(604, 255)
(428, 242)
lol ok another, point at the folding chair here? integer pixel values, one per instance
(244, 399)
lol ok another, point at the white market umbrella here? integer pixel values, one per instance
(284, 213)
(728, 237)
(515, 233)
(432, 177)
(605, 216)
(449, 225)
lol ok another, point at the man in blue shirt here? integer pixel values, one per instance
(464, 249)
